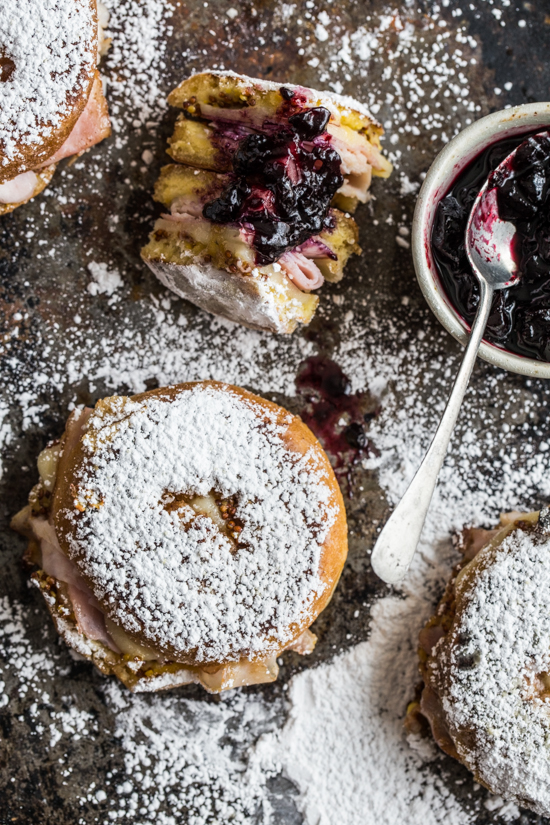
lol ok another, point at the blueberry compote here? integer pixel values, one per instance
(283, 185)
(520, 315)
(338, 417)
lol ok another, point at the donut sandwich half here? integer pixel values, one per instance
(51, 94)
(258, 201)
(485, 661)
(185, 535)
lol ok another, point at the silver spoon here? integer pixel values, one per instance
(489, 250)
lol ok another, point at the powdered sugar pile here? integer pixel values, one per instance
(192, 590)
(192, 756)
(52, 61)
(343, 744)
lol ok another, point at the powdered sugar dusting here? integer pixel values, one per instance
(349, 714)
(53, 47)
(402, 56)
(137, 55)
(179, 752)
(191, 590)
(500, 642)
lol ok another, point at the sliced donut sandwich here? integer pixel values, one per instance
(185, 535)
(485, 661)
(259, 198)
(51, 93)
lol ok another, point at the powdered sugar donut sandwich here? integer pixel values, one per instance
(51, 94)
(186, 535)
(485, 661)
(254, 222)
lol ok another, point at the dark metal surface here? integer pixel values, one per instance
(47, 284)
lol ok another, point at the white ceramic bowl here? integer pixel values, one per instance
(442, 173)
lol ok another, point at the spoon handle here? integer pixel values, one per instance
(396, 545)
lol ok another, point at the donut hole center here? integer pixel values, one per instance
(7, 68)
(222, 511)
(541, 686)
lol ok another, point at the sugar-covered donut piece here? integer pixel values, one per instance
(51, 93)
(48, 52)
(486, 663)
(206, 522)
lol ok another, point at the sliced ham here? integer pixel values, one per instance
(88, 614)
(431, 708)
(474, 539)
(304, 644)
(54, 562)
(429, 637)
(356, 151)
(18, 189)
(185, 205)
(303, 272)
(92, 126)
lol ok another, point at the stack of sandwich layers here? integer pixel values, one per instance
(259, 198)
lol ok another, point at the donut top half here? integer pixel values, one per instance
(48, 53)
(207, 521)
(492, 670)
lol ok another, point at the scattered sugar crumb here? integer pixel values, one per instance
(105, 281)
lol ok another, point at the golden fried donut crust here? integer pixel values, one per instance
(297, 438)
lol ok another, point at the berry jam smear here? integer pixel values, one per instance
(520, 315)
(338, 417)
(283, 185)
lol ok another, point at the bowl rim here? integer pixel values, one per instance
(448, 164)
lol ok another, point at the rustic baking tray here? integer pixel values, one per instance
(82, 317)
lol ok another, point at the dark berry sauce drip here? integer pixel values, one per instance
(520, 315)
(333, 413)
(283, 185)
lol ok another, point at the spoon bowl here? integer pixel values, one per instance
(489, 241)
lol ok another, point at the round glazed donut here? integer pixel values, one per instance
(486, 663)
(206, 521)
(48, 54)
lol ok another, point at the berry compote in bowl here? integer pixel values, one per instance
(517, 336)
